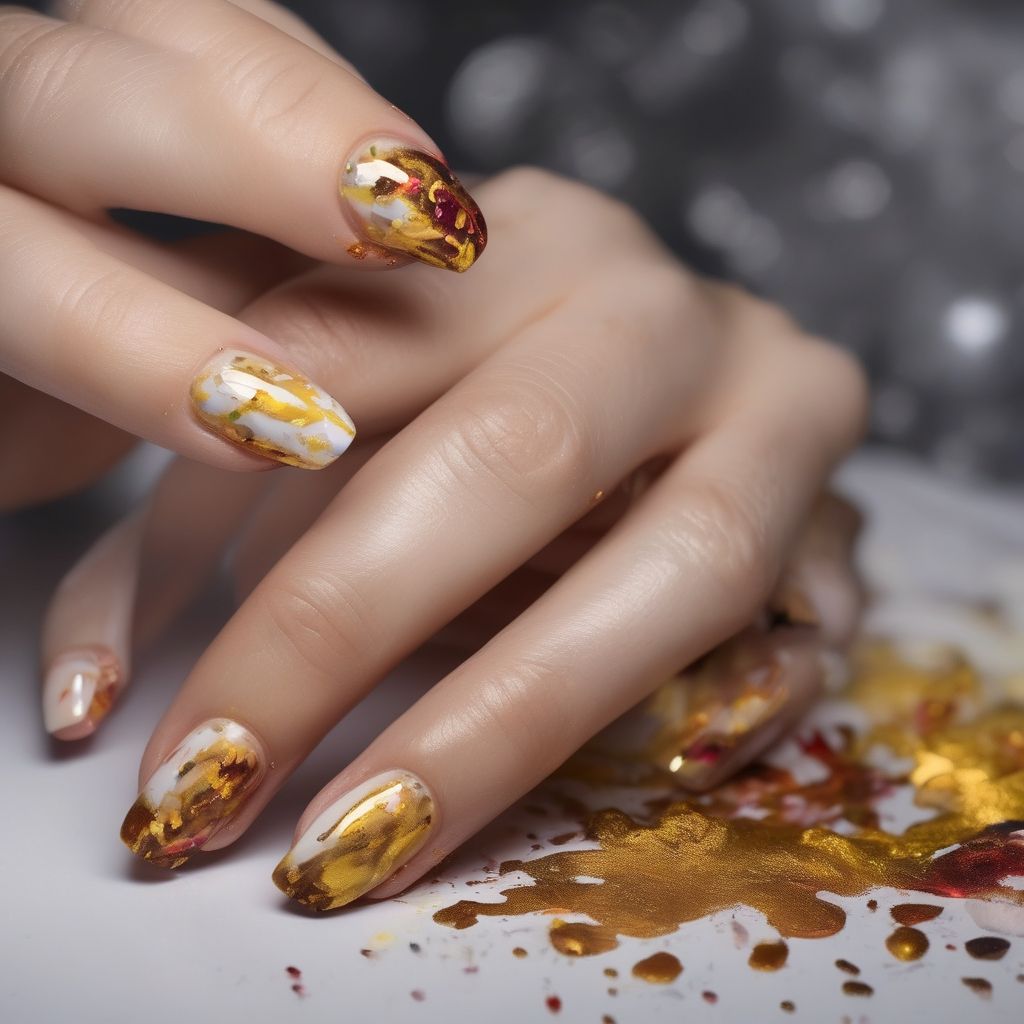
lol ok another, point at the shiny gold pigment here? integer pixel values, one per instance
(574, 938)
(659, 969)
(690, 859)
(907, 943)
(358, 842)
(406, 201)
(914, 913)
(769, 956)
(194, 793)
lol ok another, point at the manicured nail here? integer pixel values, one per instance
(194, 793)
(741, 700)
(79, 690)
(271, 411)
(406, 201)
(358, 842)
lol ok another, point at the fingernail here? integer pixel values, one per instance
(407, 201)
(794, 604)
(79, 690)
(271, 411)
(741, 700)
(358, 842)
(194, 793)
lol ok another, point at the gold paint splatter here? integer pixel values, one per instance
(787, 1006)
(914, 913)
(578, 939)
(519, 953)
(857, 988)
(769, 956)
(659, 969)
(987, 947)
(979, 986)
(845, 965)
(907, 943)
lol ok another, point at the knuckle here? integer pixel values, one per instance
(323, 622)
(526, 431)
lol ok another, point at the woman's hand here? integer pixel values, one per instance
(618, 457)
(234, 113)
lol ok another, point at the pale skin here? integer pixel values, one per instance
(580, 463)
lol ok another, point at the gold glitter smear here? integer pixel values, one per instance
(914, 913)
(979, 986)
(700, 857)
(579, 939)
(987, 947)
(769, 956)
(907, 943)
(365, 845)
(209, 789)
(857, 988)
(659, 969)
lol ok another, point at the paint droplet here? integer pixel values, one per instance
(607, 1019)
(418, 994)
(610, 972)
(914, 913)
(575, 938)
(554, 1004)
(872, 905)
(987, 947)
(845, 965)
(979, 986)
(613, 991)
(709, 997)
(660, 969)
(519, 953)
(857, 988)
(562, 839)
(414, 947)
(768, 956)
(293, 972)
(787, 1006)
(368, 953)
(907, 944)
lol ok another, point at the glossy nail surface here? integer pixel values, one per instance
(194, 793)
(358, 842)
(271, 411)
(79, 690)
(406, 201)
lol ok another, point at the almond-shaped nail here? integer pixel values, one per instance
(402, 200)
(358, 842)
(742, 699)
(270, 410)
(194, 793)
(79, 690)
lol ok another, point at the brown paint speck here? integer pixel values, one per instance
(519, 953)
(787, 1006)
(914, 913)
(857, 988)
(872, 905)
(299, 989)
(769, 956)
(659, 969)
(610, 972)
(562, 839)
(414, 947)
(987, 947)
(709, 997)
(554, 1004)
(607, 1019)
(368, 953)
(418, 994)
(845, 965)
(979, 986)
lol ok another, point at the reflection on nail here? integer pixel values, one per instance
(194, 793)
(79, 690)
(358, 842)
(271, 411)
(409, 202)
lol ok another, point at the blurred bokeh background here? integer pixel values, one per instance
(859, 161)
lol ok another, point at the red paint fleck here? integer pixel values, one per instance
(418, 994)
(554, 1004)
(368, 953)
(473, 969)
(294, 972)
(299, 989)
(709, 997)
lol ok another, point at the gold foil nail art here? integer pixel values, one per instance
(193, 794)
(358, 842)
(271, 411)
(79, 691)
(409, 202)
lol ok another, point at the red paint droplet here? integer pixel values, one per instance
(298, 989)
(710, 997)
(554, 1004)
(418, 994)
(294, 972)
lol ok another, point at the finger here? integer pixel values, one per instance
(200, 108)
(97, 333)
(688, 566)
(488, 474)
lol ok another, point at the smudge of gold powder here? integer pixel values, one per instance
(769, 956)
(907, 943)
(845, 965)
(979, 986)
(987, 947)
(700, 857)
(914, 913)
(857, 988)
(575, 938)
(659, 969)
